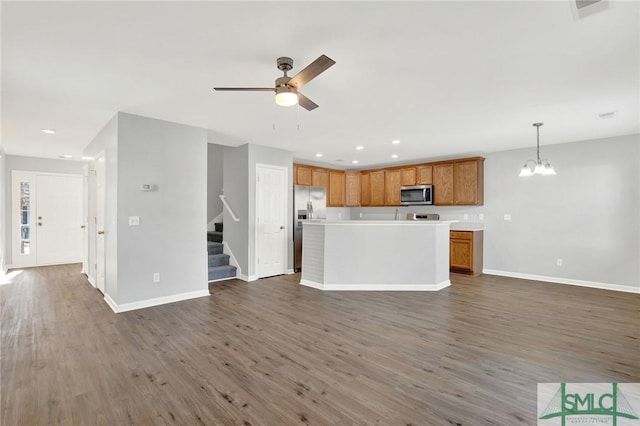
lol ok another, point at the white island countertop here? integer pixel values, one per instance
(384, 255)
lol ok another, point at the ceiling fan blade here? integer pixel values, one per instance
(312, 70)
(245, 89)
(306, 103)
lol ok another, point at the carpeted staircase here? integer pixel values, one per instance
(215, 236)
(219, 267)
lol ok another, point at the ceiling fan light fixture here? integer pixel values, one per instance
(286, 96)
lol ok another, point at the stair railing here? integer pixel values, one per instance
(226, 205)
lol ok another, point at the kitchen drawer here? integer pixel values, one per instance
(461, 235)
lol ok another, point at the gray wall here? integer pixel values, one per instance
(588, 214)
(236, 192)
(171, 238)
(29, 164)
(239, 178)
(215, 154)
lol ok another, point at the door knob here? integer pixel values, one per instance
(39, 223)
(282, 227)
(100, 232)
(39, 217)
(82, 226)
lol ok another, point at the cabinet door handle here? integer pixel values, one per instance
(100, 232)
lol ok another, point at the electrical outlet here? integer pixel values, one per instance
(559, 262)
(360, 215)
(156, 277)
(507, 216)
(480, 216)
(134, 220)
(465, 216)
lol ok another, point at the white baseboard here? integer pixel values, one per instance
(91, 281)
(290, 271)
(247, 278)
(568, 281)
(153, 302)
(376, 287)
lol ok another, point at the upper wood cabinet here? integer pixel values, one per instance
(365, 189)
(336, 188)
(443, 184)
(424, 175)
(468, 184)
(352, 188)
(301, 175)
(455, 182)
(459, 182)
(407, 177)
(392, 184)
(376, 182)
(320, 177)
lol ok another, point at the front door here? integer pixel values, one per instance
(271, 220)
(47, 219)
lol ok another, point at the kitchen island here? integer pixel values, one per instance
(380, 255)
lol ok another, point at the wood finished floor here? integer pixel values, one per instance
(273, 352)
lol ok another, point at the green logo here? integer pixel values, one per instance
(584, 401)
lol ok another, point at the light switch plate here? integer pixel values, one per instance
(134, 220)
(507, 216)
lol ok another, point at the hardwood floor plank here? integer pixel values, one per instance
(272, 352)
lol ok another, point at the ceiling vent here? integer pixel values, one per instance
(583, 8)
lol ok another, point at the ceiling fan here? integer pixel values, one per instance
(286, 87)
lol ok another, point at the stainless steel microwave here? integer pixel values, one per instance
(416, 195)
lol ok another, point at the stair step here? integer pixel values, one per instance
(214, 248)
(220, 272)
(218, 226)
(214, 236)
(218, 259)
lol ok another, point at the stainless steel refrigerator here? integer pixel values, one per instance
(309, 202)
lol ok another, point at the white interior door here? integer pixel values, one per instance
(271, 210)
(47, 218)
(100, 203)
(85, 219)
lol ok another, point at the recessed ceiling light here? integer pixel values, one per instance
(319, 155)
(394, 156)
(355, 161)
(359, 147)
(48, 131)
(608, 114)
(395, 142)
(65, 156)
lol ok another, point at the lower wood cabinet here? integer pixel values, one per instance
(465, 252)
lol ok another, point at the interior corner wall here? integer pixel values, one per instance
(171, 237)
(215, 154)
(236, 192)
(34, 164)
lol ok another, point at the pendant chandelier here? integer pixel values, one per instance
(538, 166)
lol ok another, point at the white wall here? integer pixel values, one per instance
(29, 164)
(587, 215)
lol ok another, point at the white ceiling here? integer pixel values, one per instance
(445, 78)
